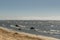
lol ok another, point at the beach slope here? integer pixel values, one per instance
(13, 35)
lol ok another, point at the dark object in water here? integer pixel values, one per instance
(17, 25)
(19, 29)
(32, 28)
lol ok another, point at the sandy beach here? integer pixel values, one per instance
(6, 34)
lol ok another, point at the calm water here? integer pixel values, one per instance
(40, 27)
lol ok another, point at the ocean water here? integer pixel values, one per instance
(49, 28)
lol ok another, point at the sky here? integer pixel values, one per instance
(30, 9)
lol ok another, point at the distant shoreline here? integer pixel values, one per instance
(29, 19)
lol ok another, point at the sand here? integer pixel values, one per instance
(6, 34)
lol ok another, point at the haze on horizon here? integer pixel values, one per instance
(30, 9)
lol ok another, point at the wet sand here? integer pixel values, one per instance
(6, 34)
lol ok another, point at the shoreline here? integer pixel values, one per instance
(24, 35)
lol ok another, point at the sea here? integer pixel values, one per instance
(50, 28)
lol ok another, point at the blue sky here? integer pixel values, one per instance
(25, 8)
